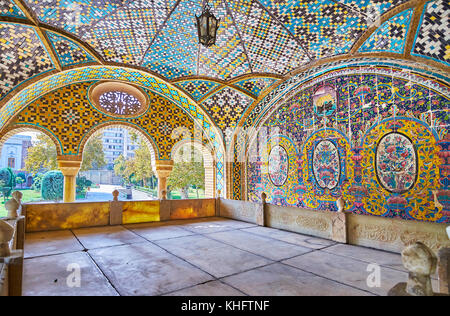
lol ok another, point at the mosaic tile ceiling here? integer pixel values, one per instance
(259, 41)
(255, 36)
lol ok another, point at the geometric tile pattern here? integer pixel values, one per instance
(255, 86)
(391, 36)
(69, 53)
(226, 107)
(269, 45)
(7, 8)
(22, 56)
(125, 35)
(227, 59)
(197, 88)
(73, 16)
(327, 27)
(174, 53)
(67, 114)
(433, 37)
(254, 37)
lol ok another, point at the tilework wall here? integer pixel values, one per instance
(377, 141)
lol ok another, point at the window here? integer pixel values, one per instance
(12, 163)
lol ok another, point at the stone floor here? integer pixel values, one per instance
(210, 257)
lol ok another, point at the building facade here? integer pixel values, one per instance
(116, 142)
(15, 151)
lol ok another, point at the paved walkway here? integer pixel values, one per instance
(104, 193)
(210, 257)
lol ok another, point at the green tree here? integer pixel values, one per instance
(43, 156)
(138, 168)
(20, 181)
(93, 154)
(188, 171)
(52, 188)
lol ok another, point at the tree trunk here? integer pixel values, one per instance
(185, 193)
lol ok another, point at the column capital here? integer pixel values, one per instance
(69, 167)
(163, 168)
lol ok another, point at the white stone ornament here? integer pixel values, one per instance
(12, 206)
(6, 234)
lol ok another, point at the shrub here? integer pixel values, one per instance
(7, 181)
(83, 184)
(37, 182)
(52, 188)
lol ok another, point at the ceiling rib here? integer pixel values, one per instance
(163, 25)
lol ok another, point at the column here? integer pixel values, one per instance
(210, 182)
(163, 169)
(69, 169)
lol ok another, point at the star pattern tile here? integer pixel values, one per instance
(22, 56)
(433, 37)
(174, 52)
(125, 35)
(391, 36)
(69, 53)
(8, 8)
(197, 88)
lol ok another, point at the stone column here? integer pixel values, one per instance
(209, 182)
(163, 169)
(70, 169)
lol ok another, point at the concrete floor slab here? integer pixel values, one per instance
(47, 276)
(348, 271)
(213, 288)
(282, 280)
(145, 269)
(99, 237)
(387, 259)
(278, 250)
(158, 231)
(215, 225)
(50, 243)
(292, 238)
(212, 256)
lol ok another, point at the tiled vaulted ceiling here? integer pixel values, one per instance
(255, 36)
(259, 41)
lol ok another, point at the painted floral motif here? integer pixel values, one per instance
(396, 163)
(278, 165)
(326, 165)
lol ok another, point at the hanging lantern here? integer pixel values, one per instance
(207, 25)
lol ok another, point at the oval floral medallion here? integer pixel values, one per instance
(278, 165)
(396, 163)
(326, 165)
(119, 99)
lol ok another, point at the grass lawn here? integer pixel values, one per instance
(176, 195)
(28, 196)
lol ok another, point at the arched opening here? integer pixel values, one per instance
(193, 175)
(117, 156)
(27, 155)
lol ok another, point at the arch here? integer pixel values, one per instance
(208, 163)
(19, 128)
(11, 106)
(125, 125)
